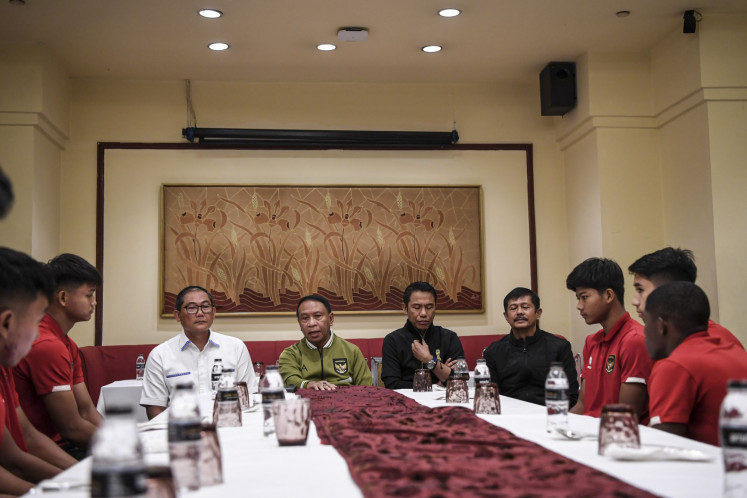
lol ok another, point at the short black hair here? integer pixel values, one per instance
(521, 292)
(22, 278)
(314, 297)
(418, 287)
(190, 288)
(667, 265)
(599, 274)
(70, 270)
(683, 303)
(6, 194)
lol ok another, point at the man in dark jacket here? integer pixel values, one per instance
(519, 362)
(419, 344)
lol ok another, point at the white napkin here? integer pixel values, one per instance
(658, 453)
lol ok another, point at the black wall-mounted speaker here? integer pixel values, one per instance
(558, 88)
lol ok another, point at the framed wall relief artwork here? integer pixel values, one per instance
(258, 249)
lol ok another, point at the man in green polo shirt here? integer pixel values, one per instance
(321, 360)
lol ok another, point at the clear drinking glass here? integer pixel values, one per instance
(487, 400)
(211, 460)
(456, 390)
(292, 417)
(618, 427)
(245, 400)
(421, 381)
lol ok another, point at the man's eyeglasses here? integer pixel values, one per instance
(192, 308)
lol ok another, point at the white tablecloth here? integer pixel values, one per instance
(256, 465)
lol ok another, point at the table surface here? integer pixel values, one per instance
(254, 462)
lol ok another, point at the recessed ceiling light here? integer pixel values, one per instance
(218, 46)
(210, 13)
(622, 13)
(449, 12)
(326, 47)
(431, 49)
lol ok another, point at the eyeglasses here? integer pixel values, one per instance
(192, 308)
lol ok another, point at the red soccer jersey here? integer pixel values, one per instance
(689, 385)
(53, 365)
(611, 359)
(10, 400)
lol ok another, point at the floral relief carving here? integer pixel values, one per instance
(258, 249)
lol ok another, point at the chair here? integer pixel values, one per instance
(579, 365)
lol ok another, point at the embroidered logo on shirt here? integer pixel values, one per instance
(610, 365)
(341, 365)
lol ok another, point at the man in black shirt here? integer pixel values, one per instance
(520, 361)
(419, 344)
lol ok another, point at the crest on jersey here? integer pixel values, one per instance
(610, 365)
(341, 365)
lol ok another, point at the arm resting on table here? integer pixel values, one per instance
(22, 464)
(63, 410)
(152, 410)
(578, 408)
(634, 394)
(86, 408)
(41, 446)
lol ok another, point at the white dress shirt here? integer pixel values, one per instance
(178, 360)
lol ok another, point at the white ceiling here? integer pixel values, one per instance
(275, 40)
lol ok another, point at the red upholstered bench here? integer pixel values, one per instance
(103, 365)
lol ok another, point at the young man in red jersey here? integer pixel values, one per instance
(616, 365)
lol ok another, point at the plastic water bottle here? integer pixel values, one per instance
(216, 374)
(272, 389)
(117, 465)
(184, 437)
(482, 373)
(139, 367)
(461, 369)
(556, 397)
(733, 424)
(227, 400)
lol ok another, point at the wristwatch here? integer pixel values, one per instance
(431, 364)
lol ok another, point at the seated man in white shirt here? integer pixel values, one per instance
(189, 356)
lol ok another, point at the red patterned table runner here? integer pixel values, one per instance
(394, 446)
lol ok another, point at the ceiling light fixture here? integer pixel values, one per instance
(449, 12)
(622, 13)
(326, 47)
(210, 13)
(218, 46)
(431, 49)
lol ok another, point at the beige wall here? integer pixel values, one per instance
(34, 101)
(155, 111)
